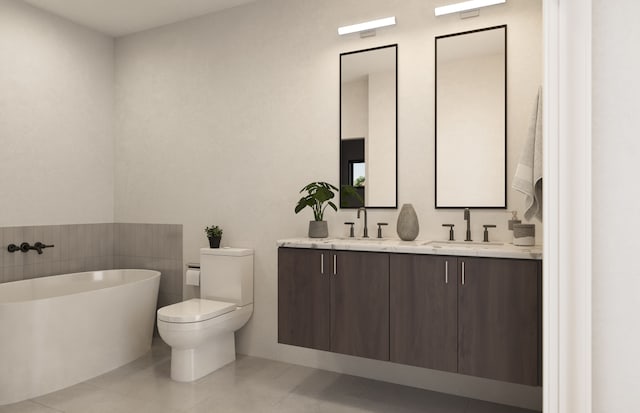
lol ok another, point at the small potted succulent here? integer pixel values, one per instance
(214, 233)
(318, 197)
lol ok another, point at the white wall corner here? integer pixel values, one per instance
(567, 204)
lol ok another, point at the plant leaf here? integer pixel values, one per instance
(318, 193)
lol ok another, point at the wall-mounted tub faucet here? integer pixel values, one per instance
(26, 247)
(467, 217)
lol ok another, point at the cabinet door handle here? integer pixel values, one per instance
(321, 264)
(446, 272)
(463, 273)
(335, 264)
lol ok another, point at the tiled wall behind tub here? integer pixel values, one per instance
(77, 248)
(90, 247)
(153, 247)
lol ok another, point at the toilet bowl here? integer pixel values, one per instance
(201, 331)
(201, 341)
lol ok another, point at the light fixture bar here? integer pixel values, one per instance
(466, 5)
(370, 25)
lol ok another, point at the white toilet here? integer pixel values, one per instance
(200, 331)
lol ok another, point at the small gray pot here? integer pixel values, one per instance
(318, 229)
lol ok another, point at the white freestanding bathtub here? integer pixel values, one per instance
(58, 331)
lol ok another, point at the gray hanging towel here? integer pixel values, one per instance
(528, 178)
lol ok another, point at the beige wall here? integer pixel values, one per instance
(56, 118)
(222, 119)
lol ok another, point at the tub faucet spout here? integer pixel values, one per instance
(39, 246)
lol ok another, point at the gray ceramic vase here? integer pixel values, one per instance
(318, 229)
(408, 227)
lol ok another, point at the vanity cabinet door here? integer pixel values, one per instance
(424, 311)
(498, 319)
(360, 304)
(304, 291)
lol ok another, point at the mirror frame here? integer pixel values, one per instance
(395, 206)
(504, 206)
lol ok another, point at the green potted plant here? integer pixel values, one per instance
(318, 197)
(214, 233)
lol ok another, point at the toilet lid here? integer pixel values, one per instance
(194, 310)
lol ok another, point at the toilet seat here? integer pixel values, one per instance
(194, 310)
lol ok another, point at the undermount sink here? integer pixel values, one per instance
(463, 244)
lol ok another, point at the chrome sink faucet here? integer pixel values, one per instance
(467, 217)
(366, 231)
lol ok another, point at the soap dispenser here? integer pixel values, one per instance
(514, 220)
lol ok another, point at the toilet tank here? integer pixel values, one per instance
(226, 274)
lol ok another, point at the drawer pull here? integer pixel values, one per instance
(335, 265)
(321, 264)
(463, 273)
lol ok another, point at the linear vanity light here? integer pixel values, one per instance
(466, 5)
(367, 26)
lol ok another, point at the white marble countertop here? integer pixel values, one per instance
(395, 245)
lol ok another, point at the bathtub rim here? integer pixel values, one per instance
(152, 274)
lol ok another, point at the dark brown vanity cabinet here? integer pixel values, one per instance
(499, 324)
(335, 301)
(360, 304)
(424, 311)
(304, 298)
(474, 316)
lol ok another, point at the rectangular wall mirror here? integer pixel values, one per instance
(471, 130)
(368, 126)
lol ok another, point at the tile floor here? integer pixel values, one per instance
(248, 385)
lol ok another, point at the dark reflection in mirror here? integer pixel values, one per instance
(352, 167)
